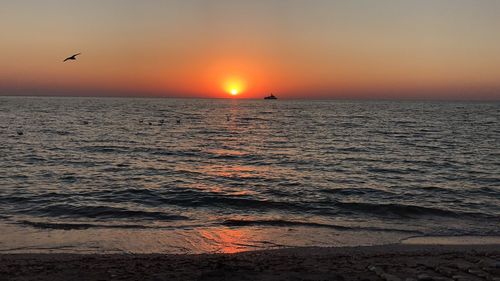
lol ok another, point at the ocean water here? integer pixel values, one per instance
(194, 176)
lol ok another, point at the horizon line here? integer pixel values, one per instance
(408, 99)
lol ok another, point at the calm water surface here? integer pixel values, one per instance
(167, 175)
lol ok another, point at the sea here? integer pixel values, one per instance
(138, 175)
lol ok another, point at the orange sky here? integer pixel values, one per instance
(294, 48)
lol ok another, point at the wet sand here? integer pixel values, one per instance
(390, 262)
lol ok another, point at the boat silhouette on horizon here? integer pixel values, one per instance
(271, 97)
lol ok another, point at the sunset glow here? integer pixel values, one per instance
(220, 49)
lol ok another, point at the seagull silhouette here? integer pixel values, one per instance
(73, 57)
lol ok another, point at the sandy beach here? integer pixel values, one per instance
(390, 262)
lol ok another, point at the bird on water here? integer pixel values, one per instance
(73, 57)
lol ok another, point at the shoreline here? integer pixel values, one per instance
(386, 262)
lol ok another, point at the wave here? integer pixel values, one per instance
(335, 203)
(357, 191)
(192, 198)
(77, 226)
(100, 212)
(227, 223)
(286, 223)
(401, 210)
(106, 149)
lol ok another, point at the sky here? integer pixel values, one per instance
(211, 48)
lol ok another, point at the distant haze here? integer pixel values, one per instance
(294, 48)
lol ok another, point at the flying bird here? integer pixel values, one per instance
(73, 57)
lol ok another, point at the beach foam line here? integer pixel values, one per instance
(452, 240)
(285, 223)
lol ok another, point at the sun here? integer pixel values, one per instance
(234, 86)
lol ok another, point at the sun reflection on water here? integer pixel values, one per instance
(228, 240)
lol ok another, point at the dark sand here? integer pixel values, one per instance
(392, 262)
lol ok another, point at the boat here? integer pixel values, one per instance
(271, 97)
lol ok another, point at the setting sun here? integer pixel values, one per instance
(234, 86)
